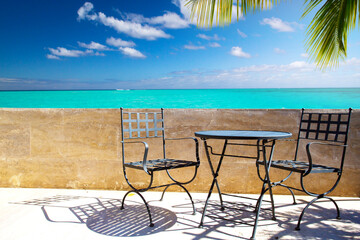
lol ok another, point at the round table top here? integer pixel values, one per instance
(240, 134)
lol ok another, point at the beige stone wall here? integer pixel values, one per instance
(80, 148)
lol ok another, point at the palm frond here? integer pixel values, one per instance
(204, 11)
(326, 35)
(328, 30)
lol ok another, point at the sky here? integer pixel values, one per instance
(142, 44)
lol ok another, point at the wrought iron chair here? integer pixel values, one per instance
(329, 129)
(144, 125)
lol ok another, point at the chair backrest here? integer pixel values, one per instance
(324, 127)
(140, 125)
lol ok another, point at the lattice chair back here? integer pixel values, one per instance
(137, 125)
(141, 125)
(324, 127)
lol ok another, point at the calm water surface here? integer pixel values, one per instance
(336, 98)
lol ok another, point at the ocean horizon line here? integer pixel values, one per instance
(167, 89)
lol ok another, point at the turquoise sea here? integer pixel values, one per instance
(334, 98)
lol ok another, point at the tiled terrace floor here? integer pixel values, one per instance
(87, 214)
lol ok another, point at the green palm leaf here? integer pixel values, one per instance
(328, 31)
(204, 11)
(326, 34)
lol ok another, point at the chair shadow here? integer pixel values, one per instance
(131, 221)
(104, 216)
(236, 214)
(319, 221)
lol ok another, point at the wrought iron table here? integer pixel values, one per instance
(264, 139)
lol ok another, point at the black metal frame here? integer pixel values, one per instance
(151, 120)
(326, 129)
(261, 144)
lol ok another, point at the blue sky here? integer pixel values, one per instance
(142, 44)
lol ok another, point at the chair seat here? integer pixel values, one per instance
(300, 167)
(161, 164)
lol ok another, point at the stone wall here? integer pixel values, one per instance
(80, 148)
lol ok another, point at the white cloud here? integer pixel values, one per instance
(243, 35)
(206, 37)
(118, 42)
(63, 52)
(83, 12)
(203, 36)
(304, 55)
(190, 46)
(132, 29)
(290, 75)
(169, 20)
(279, 51)
(8, 80)
(254, 68)
(135, 30)
(50, 56)
(131, 52)
(297, 74)
(93, 45)
(185, 11)
(99, 54)
(296, 65)
(277, 24)
(352, 61)
(56, 53)
(299, 65)
(238, 52)
(214, 45)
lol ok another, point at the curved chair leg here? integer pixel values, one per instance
(180, 185)
(303, 212)
(312, 201)
(292, 193)
(192, 202)
(337, 207)
(163, 193)
(290, 190)
(147, 206)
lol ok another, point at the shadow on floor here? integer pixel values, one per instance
(131, 221)
(319, 221)
(104, 216)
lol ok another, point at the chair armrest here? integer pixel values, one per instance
(145, 154)
(309, 153)
(196, 145)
